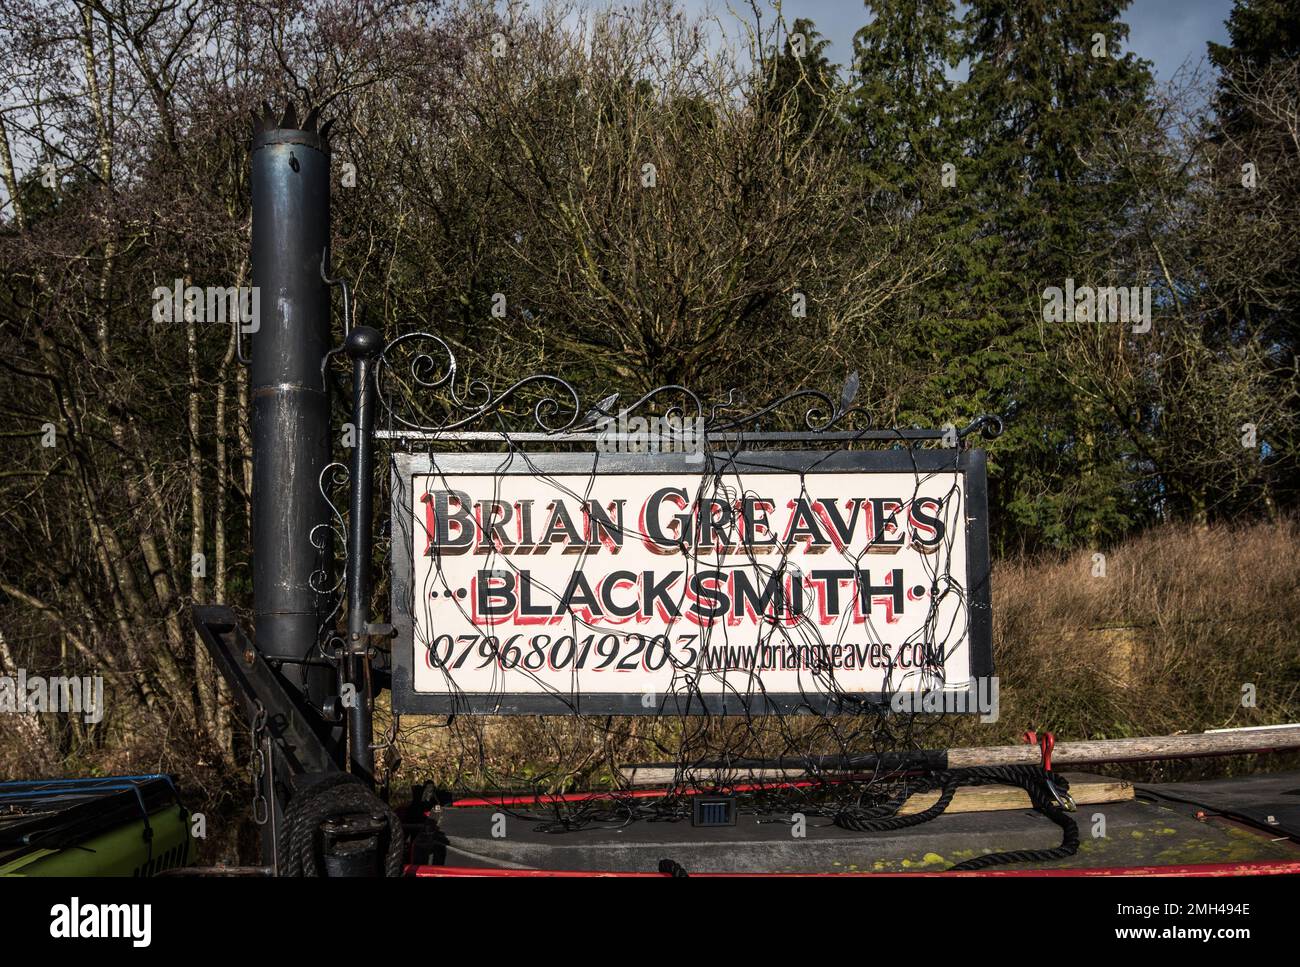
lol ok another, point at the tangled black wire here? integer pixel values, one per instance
(1033, 779)
(711, 716)
(333, 797)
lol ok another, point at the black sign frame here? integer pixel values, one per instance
(970, 463)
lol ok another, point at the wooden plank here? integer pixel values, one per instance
(1088, 752)
(1085, 790)
(1146, 749)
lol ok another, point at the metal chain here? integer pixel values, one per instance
(257, 765)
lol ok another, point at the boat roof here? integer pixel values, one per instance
(55, 813)
(1229, 821)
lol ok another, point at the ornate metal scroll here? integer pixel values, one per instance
(406, 369)
(423, 395)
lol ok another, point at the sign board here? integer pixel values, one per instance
(648, 583)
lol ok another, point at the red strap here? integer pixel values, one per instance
(1046, 743)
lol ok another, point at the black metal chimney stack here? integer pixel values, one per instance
(290, 407)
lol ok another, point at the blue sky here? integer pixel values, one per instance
(1165, 32)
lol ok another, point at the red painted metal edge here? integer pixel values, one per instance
(1258, 868)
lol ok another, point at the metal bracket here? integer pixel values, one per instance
(290, 729)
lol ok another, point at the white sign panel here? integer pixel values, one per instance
(610, 589)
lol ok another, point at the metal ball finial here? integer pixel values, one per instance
(363, 341)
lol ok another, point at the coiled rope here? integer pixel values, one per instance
(1033, 779)
(334, 797)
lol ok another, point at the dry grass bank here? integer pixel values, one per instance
(1183, 624)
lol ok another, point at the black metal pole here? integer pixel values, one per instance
(363, 345)
(290, 410)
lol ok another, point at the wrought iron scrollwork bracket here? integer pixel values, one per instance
(422, 396)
